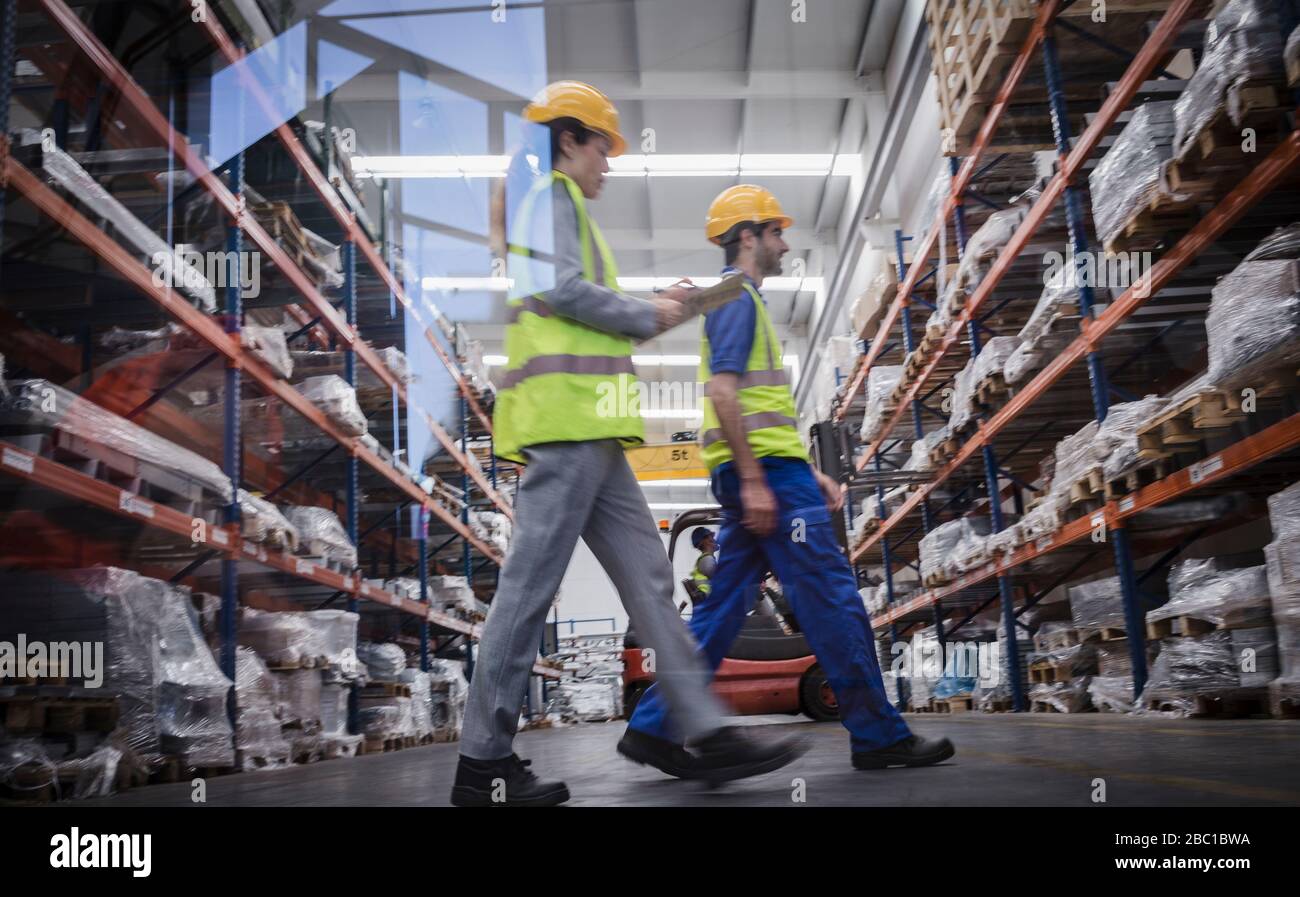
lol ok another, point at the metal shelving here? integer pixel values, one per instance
(1061, 373)
(318, 316)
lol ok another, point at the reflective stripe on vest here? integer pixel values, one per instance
(563, 380)
(763, 392)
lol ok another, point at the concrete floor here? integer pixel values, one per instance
(1002, 760)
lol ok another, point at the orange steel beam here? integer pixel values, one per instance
(211, 332)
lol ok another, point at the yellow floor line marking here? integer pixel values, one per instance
(1184, 782)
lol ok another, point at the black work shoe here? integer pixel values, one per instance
(663, 755)
(503, 783)
(730, 754)
(911, 751)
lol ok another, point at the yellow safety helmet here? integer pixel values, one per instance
(574, 99)
(743, 202)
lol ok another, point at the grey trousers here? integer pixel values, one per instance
(587, 490)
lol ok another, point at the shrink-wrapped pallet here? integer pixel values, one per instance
(881, 382)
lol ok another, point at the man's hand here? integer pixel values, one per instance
(668, 312)
(759, 505)
(833, 491)
(678, 292)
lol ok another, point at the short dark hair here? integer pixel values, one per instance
(566, 125)
(731, 239)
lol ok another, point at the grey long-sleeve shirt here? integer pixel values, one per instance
(591, 303)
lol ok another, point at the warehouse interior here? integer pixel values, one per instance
(1039, 317)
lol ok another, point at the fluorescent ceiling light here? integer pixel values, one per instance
(646, 284)
(653, 164)
(682, 482)
(467, 283)
(667, 360)
(792, 284)
(494, 361)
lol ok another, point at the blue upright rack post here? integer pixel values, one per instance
(464, 518)
(350, 375)
(918, 428)
(1134, 623)
(230, 449)
(1005, 593)
(423, 542)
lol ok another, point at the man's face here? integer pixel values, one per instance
(769, 249)
(588, 162)
(708, 545)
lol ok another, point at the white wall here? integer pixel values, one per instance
(586, 591)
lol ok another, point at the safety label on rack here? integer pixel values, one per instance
(365, 589)
(1127, 504)
(1207, 468)
(219, 536)
(1098, 519)
(19, 461)
(1044, 543)
(134, 504)
(305, 568)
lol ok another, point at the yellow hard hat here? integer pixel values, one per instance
(574, 99)
(743, 202)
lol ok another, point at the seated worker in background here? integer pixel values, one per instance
(776, 513)
(707, 545)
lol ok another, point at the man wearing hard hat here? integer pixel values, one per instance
(776, 510)
(569, 343)
(707, 545)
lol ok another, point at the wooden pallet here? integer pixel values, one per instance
(1135, 478)
(1104, 634)
(1055, 640)
(955, 704)
(1153, 221)
(38, 713)
(173, 769)
(386, 690)
(1037, 706)
(1213, 159)
(927, 707)
(998, 706)
(1223, 703)
(1042, 671)
(993, 391)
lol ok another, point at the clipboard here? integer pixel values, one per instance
(706, 299)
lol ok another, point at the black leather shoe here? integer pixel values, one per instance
(503, 783)
(730, 754)
(663, 755)
(911, 751)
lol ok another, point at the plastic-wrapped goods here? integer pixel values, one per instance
(1100, 604)
(1187, 667)
(169, 265)
(1113, 659)
(972, 549)
(1064, 697)
(881, 381)
(404, 587)
(333, 710)
(453, 592)
(1227, 598)
(1243, 45)
(298, 699)
(395, 360)
(493, 527)
(259, 743)
(384, 662)
(991, 359)
(587, 700)
(338, 401)
(870, 307)
(1254, 318)
(1283, 243)
(1115, 447)
(121, 341)
(937, 546)
(1259, 645)
(421, 701)
(321, 534)
(987, 242)
(1073, 458)
(170, 691)
(37, 406)
(448, 689)
(380, 722)
(1059, 299)
(1111, 694)
(1131, 173)
(268, 344)
(1077, 660)
(261, 522)
(26, 767)
(1282, 560)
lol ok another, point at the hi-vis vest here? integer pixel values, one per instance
(564, 381)
(699, 576)
(766, 403)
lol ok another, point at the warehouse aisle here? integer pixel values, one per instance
(1002, 760)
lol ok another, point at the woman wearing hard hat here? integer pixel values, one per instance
(776, 510)
(569, 343)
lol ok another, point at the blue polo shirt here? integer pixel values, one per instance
(731, 337)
